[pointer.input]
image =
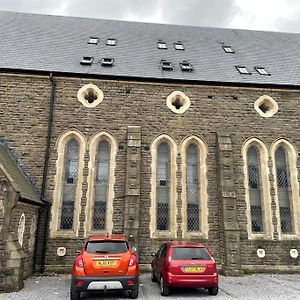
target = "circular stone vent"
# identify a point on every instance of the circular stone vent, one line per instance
(178, 102)
(90, 95)
(266, 106)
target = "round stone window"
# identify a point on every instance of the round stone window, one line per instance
(266, 106)
(178, 102)
(90, 95)
(21, 229)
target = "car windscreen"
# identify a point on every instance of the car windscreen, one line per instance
(106, 247)
(190, 253)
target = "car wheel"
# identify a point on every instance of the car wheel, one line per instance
(153, 279)
(134, 293)
(164, 290)
(74, 294)
(213, 290)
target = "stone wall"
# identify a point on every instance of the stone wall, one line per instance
(223, 110)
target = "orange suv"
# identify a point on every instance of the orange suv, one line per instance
(106, 262)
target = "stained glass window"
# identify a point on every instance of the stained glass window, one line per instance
(163, 186)
(69, 184)
(101, 185)
(284, 190)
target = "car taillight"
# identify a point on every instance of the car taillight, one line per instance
(79, 261)
(132, 261)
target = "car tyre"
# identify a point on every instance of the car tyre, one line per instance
(164, 290)
(134, 293)
(74, 294)
(153, 279)
(213, 290)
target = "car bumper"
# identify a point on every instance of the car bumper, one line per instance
(191, 281)
(82, 284)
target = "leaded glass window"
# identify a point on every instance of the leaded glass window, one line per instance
(163, 186)
(69, 184)
(192, 188)
(101, 185)
(255, 190)
(283, 190)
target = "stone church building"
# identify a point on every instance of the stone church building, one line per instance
(158, 132)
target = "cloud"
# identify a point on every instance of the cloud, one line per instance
(278, 15)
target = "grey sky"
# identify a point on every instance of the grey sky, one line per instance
(276, 15)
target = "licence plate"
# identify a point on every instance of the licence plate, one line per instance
(193, 269)
(106, 263)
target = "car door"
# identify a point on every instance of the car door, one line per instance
(162, 260)
(155, 263)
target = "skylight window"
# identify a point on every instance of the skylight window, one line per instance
(166, 65)
(262, 71)
(186, 66)
(87, 60)
(243, 70)
(111, 42)
(107, 62)
(93, 40)
(161, 45)
(228, 49)
(178, 46)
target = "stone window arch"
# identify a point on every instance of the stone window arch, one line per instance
(71, 147)
(21, 229)
(101, 180)
(194, 188)
(33, 228)
(286, 187)
(257, 189)
(163, 211)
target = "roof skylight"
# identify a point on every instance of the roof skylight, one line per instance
(228, 49)
(261, 71)
(161, 45)
(87, 60)
(178, 46)
(93, 40)
(111, 42)
(166, 65)
(107, 62)
(186, 66)
(243, 70)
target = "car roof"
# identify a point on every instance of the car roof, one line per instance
(185, 244)
(107, 237)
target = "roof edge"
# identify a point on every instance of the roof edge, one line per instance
(152, 79)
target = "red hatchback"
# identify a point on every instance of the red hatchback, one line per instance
(189, 265)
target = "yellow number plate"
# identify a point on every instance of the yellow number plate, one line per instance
(194, 269)
(106, 263)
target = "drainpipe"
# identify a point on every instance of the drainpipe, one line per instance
(45, 174)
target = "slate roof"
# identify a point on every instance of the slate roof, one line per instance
(57, 44)
(16, 177)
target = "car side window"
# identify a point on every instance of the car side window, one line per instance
(160, 250)
(164, 252)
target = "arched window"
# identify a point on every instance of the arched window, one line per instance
(101, 185)
(21, 229)
(69, 185)
(101, 179)
(68, 181)
(192, 188)
(163, 210)
(255, 189)
(283, 190)
(286, 187)
(163, 187)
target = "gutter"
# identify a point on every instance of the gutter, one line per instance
(156, 80)
(47, 204)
